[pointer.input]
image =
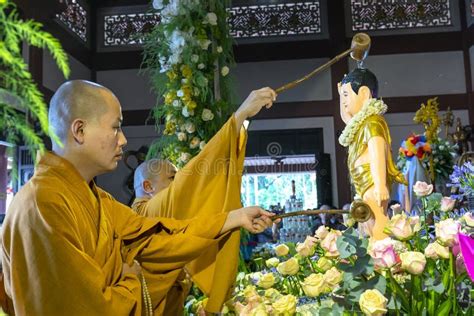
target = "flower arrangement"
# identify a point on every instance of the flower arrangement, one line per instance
(462, 178)
(415, 145)
(188, 56)
(441, 151)
(417, 269)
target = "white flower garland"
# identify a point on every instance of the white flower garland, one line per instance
(370, 107)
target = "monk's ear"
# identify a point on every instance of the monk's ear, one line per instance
(77, 130)
(147, 186)
(364, 93)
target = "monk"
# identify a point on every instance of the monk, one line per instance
(69, 248)
(208, 184)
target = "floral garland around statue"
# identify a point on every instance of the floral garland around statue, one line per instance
(188, 56)
(370, 107)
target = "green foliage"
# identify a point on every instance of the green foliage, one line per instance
(187, 57)
(18, 92)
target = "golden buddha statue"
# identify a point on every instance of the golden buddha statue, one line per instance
(371, 167)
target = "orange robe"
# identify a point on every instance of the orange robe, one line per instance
(65, 241)
(208, 185)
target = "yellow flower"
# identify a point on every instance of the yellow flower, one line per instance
(186, 71)
(289, 267)
(373, 303)
(250, 291)
(272, 293)
(272, 262)
(324, 264)
(314, 285)
(435, 250)
(171, 74)
(413, 262)
(191, 105)
(281, 250)
(266, 281)
(260, 310)
(285, 305)
(3, 2)
(169, 97)
(332, 277)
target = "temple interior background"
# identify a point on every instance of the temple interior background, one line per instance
(415, 57)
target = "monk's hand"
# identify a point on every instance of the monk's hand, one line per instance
(381, 195)
(256, 100)
(135, 268)
(255, 219)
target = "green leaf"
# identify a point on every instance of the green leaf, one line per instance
(345, 248)
(444, 309)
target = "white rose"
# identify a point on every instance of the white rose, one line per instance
(211, 18)
(201, 66)
(207, 115)
(219, 49)
(422, 188)
(180, 93)
(186, 112)
(413, 262)
(182, 136)
(184, 157)
(204, 44)
(225, 71)
(202, 144)
(194, 142)
(176, 103)
(194, 58)
(190, 128)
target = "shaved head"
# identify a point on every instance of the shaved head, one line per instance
(76, 99)
(152, 176)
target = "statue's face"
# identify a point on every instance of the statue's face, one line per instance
(350, 102)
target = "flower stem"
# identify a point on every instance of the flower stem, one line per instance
(394, 292)
(452, 287)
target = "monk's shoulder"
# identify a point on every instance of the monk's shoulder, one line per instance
(42, 199)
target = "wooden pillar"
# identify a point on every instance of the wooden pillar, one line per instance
(338, 70)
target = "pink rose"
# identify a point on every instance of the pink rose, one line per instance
(413, 262)
(446, 232)
(321, 232)
(402, 227)
(329, 243)
(306, 248)
(383, 253)
(447, 204)
(422, 188)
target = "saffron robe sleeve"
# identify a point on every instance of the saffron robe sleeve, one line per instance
(207, 186)
(57, 263)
